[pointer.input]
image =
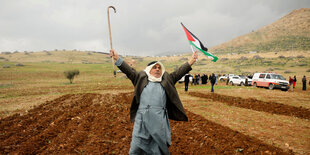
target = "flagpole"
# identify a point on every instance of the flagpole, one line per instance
(192, 48)
(114, 72)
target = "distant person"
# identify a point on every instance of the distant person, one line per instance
(155, 100)
(210, 77)
(246, 81)
(294, 82)
(304, 83)
(191, 79)
(196, 79)
(227, 81)
(186, 81)
(291, 81)
(212, 80)
(203, 79)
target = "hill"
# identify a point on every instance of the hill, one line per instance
(291, 32)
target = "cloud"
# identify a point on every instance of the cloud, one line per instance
(139, 27)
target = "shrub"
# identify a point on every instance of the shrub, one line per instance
(19, 64)
(224, 59)
(308, 70)
(300, 56)
(70, 74)
(281, 57)
(288, 71)
(290, 57)
(301, 64)
(243, 58)
(6, 66)
(257, 57)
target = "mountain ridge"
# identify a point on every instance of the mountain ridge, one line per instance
(291, 32)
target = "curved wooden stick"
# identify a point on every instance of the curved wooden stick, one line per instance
(114, 72)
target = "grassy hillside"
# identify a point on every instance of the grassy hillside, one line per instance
(291, 32)
(284, 62)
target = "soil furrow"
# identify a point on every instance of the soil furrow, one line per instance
(254, 104)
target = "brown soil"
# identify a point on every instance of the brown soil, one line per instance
(251, 103)
(99, 124)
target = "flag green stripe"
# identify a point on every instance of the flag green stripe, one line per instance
(204, 52)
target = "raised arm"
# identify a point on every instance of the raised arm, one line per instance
(185, 68)
(193, 58)
(130, 72)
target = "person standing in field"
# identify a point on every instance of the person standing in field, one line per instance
(304, 83)
(191, 79)
(291, 82)
(203, 79)
(186, 81)
(155, 100)
(212, 80)
(294, 81)
(227, 81)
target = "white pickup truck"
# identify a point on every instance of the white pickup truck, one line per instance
(239, 80)
(224, 77)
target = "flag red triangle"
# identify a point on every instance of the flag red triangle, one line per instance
(189, 36)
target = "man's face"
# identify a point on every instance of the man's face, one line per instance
(156, 71)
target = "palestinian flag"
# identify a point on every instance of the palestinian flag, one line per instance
(194, 41)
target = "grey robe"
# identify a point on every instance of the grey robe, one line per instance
(151, 133)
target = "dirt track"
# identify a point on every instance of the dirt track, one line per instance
(96, 123)
(251, 103)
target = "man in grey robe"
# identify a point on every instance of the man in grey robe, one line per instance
(155, 101)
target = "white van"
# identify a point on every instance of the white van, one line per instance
(270, 80)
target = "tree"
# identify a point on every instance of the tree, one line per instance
(70, 74)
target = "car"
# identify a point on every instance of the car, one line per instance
(224, 77)
(249, 79)
(270, 81)
(237, 80)
(182, 79)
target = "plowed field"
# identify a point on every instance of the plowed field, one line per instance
(99, 124)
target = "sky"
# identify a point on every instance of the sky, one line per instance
(139, 27)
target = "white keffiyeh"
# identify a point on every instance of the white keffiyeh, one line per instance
(151, 77)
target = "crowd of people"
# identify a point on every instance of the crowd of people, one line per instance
(196, 79)
(292, 82)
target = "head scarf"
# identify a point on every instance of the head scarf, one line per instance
(148, 69)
